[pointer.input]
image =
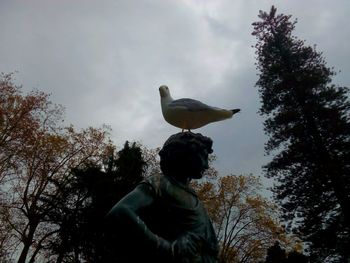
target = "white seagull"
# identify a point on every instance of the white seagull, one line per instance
(189, 114)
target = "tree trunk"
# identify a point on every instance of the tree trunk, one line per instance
(24, 253)
(27, 242)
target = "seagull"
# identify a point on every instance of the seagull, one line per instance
(189, 114)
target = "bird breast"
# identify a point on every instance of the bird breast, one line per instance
(184, 119)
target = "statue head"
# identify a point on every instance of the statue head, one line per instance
(185, 155)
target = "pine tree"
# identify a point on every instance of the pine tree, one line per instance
(87, 196)
(276, 254)
(308, 123)
(297, 257)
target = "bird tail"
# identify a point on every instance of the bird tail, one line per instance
(235, 111)
(222, 114)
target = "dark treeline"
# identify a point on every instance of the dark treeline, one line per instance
(276, 254)
(88, 195)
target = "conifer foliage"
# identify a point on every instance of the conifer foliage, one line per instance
(308, 124)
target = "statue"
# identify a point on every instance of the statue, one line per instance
(162, 219)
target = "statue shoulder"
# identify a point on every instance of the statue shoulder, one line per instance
(157, 182)
(162, 185)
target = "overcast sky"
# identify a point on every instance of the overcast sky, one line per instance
(104, 61)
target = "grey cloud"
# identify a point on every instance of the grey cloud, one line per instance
(104, 61)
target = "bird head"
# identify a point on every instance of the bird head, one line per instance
(164, 91)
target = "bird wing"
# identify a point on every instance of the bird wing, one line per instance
(190, 105)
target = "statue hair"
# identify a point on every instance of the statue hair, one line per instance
(180, 150)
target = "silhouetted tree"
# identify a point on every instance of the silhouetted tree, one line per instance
(90, 194)
(307, 120)
(297, 257)
(276, 254)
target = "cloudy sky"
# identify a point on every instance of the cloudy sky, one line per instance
(104, 61)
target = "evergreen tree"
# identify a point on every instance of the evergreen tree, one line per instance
(276, 254)
(307, 120)
(86, 198)
(296, 257)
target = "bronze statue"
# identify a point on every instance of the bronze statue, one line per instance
(162, 219)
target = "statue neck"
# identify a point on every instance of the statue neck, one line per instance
(183, 180)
